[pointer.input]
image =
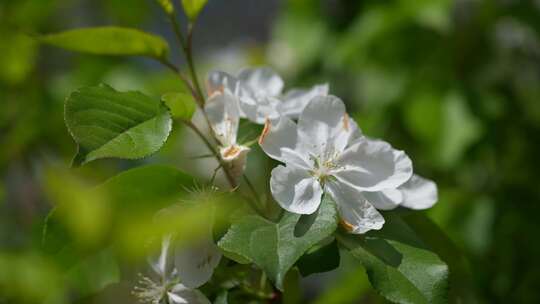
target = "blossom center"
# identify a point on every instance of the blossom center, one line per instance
(323, 168)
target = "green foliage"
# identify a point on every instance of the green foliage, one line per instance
(28, 278)
(167, 6)
(147, 187)
(93, 273)
(321, 258)
(275, 247)
(399, 265)
(109, 40)
(292, 292)
(89, 216)
(17, 56)
(222, 298)
(182, 105)
(107, 123)
(347, 288)
(84, 212)
(193, 8)
(460, 282)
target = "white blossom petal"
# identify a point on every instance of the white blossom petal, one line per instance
(357, 214)
(373, 165)
(235, 157)
(295, 158)
(386, 199)
(180, 294)
(224, 115)
(162, 265)
(321, 122)
(295, 190)
(347, 135)
(195, 263)
(221, 82)
(277, 135)
(296, 100)
(261, 81)
(419, 193)
(259, 109)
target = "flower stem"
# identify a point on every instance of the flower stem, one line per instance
(196, 91)
(187, 48)
(210, 147)
(189, 58)
(184, 79)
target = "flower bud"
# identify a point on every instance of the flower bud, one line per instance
(235, 157)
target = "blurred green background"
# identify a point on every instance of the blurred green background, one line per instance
(456, 84)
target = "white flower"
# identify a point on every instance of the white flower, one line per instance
(192, 267)
(325, 153)
(259, 94)
(417, 193)
(224, 117)
(196, 263)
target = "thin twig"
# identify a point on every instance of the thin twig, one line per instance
(222, 165)
(189, 57)
(184, 79)
(210, 147)
(196, 91)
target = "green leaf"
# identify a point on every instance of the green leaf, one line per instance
(275, 247)
(152, 186)
(109, 40)
(107, 123)
(222, 297)
(167, 6)
(399, 265)
(193, 8)
(182, 105)
(80, 212)
(93, 273)
(460, 273)
(291, 287)
(120, 212)
(347, 287)
(320, 259)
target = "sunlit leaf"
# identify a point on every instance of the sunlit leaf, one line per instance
(193, 8)
(147, 187)
(17, 57)
(122, 211)
(182, 105)
(109, 40)
(29, 278)
(81, 213)
(399, 265)
(275, 247)
(166, 5)
(154, 200)
(107, 123)
(93, 273)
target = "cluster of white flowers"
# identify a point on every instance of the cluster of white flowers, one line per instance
(175, 279)
(323, 150)
(255, 94)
